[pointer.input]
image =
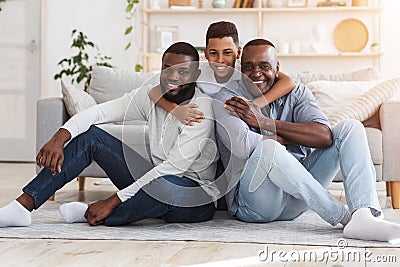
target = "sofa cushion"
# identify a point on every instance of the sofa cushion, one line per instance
(75, 100)
(108, 83)
(367, 74)
(368, 104)
(334, 96)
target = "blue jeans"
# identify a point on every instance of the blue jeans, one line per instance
(276, 186)
(114, 158)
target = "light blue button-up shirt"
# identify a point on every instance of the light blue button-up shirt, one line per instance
(237, 141)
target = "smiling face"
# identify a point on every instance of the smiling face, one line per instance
(260, 65)
(178, 76)
(221, 54)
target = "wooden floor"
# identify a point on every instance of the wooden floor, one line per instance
(49, 252)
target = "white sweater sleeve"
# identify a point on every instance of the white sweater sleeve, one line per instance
(117, 110)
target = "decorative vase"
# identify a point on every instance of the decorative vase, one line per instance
(218, 3)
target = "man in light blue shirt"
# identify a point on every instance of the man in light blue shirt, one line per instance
(280, 161)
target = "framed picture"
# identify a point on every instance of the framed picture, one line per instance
(296, 3)
(165, 36)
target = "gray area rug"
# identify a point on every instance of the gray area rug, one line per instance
(308, 229)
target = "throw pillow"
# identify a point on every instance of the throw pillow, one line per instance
(75, 100)
(109, 83)
(334, 96)
(367, 74)
(368, 104)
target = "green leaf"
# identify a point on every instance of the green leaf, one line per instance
(62, 61)
(138, 68)
(128, 45)
(128, 30)
(129, 8)
(80, 77)
(77, 58)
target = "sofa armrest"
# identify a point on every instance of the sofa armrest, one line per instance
(51, 115)
(390, 124)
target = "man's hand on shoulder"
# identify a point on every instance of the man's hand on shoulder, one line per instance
(51, 155)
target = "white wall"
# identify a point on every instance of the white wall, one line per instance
(104, 23)
(390, 39)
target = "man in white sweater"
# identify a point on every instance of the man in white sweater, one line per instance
(177, 185)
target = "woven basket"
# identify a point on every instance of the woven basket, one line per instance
(179, 2)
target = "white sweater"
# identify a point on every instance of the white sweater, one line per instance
(176, 149)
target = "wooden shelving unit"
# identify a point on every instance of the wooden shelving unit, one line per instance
(261, 20)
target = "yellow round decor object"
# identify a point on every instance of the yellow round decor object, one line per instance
(350, 35)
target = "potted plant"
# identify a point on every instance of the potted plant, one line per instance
(79, 66)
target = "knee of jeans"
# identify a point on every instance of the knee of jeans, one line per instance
(347, 127)
(267, 151)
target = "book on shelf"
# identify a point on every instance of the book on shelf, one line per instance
(243, 4)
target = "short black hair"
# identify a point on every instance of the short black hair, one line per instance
(222, 29)
(183, 48)
(257, 42)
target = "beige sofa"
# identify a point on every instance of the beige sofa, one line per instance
(382, 129)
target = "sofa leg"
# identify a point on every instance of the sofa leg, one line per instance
(395, 193)
(388, 189)
(81, 182)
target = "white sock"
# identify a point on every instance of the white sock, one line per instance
(363, 225)
(14, 214)
(73, 212)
